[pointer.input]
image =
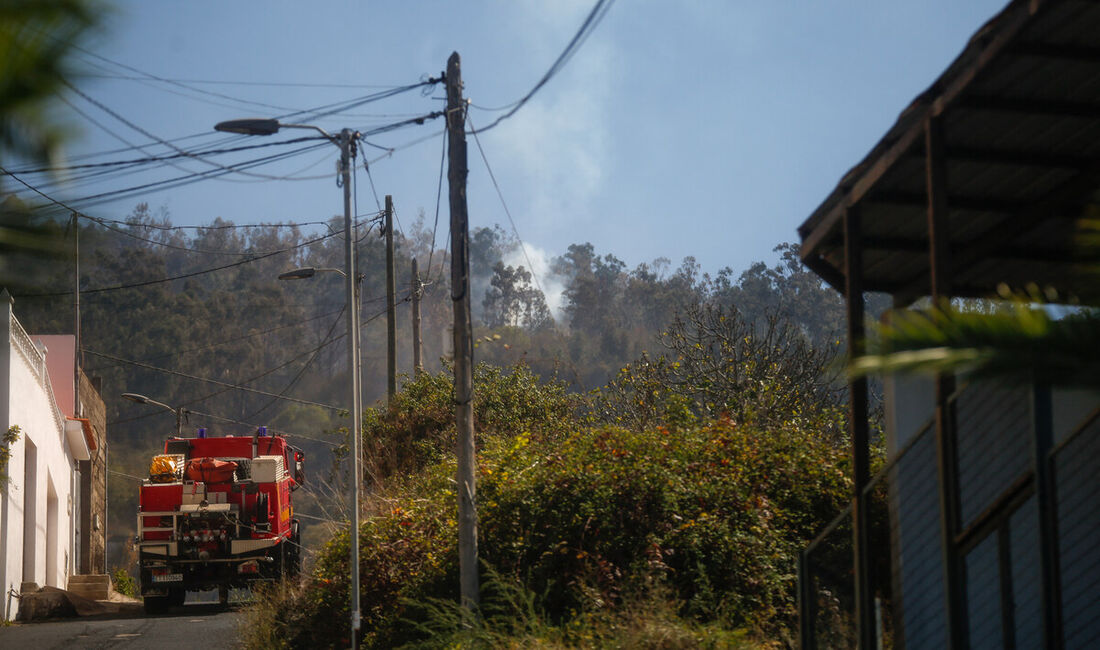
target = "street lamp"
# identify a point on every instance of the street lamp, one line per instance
(265, 126)
(180, 412)
(346, 139)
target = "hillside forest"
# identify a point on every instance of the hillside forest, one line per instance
(195, 317)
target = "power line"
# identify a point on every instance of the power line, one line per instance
(222, 342)
(373, 191)
(438, 194)
(166, 143)
(136, 478)
(105, 224)
(180, 153)
(222, 139)
(508, 212)
(110, 227)
(148, 76)
(586, 28)
(182, 276)
(431, 81)
(397, 218)
(102, 127)
(226, 226)
(180, 181)
(388, 90)
(412, 143)
(271, 429)
(226, 385)
(305, 366)
(195, 177)
(212, 82)
(150, 282)
(174, 156)
(493, 109)
(323, 110)
(223, 390)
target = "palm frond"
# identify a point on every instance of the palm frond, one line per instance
(1022, 342)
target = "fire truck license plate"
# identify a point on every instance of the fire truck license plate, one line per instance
(169, 577)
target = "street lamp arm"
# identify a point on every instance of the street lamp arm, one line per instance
(180, 412)
(310, 126)
(141, 399)
(308, 272)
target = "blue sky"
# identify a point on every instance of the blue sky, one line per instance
(709, 129)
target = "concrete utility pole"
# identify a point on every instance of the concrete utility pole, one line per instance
(347, 141)
(391, 307)
(416, 292)
(463, 336)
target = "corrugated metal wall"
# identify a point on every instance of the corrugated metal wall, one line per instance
(994, 425)
(983, 596)
(998, 539)
(1026, 582)
(1077, 476)
(915, 516)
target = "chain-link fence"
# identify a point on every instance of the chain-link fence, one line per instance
(829, 561)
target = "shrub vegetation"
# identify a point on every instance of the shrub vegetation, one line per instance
(679, 531)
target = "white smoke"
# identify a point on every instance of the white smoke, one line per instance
(539, 266)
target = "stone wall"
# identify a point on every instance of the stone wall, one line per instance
(93, 482)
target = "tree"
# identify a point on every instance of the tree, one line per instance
(36, 38)
(792, 291)
(717, 362)
(593, 290)
(512, 300)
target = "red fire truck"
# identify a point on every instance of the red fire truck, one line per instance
(216, 513)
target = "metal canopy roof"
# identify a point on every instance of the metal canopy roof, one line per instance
(1019, 113)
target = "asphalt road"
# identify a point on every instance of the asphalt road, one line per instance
(198, 625)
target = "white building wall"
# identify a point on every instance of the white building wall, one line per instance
(27, 401)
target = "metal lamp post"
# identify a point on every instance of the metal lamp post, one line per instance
(179, 412)
(260, 126)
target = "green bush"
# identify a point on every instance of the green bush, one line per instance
(713, 515)
(124, 583)
(417, 429)
(577, 524)
(717, 513)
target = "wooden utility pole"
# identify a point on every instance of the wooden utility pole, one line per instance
(858, 427)
(79, 356)
(391, 307)
(416, 292)
(463, 336)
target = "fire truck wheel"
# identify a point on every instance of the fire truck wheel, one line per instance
(176, 597)
(223, 595)
(294, 560)
(155, 604)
